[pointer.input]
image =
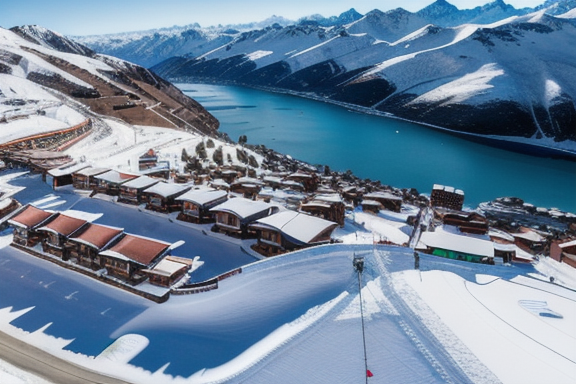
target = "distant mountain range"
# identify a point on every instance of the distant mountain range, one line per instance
(493, 72)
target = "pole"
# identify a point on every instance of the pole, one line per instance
(359, 266)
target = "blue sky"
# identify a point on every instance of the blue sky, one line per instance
(87, 17)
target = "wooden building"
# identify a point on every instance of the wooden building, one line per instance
(58, 177)
(57, 232)
(161, 197)
(234, 215)
(247, 187)
(196, 204)
(328, 207)
(90, 241)
(458, 247)
(131, 192)
(289, 230)
(388, 201)
(85, 178)
(564, 252)
(131, 255)
(26, 221)
(447, 197)
(468, 222)
(110, 182)
(309, 181)
(372, 206)
(529, 241)
(168, 271)
(7, 206)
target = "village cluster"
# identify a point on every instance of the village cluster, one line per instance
(284, 210)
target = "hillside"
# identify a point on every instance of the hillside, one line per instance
(49, 82)
(510, 81)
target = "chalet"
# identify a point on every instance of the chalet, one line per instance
(110, 182)
(458, 247)
(447, 197)
(564, 252)
(219, 184)
(308, 181)
(84, 178)
(371, 206)
(234, 215)
(273, 182)
(196, 204)
(25, 223)
(131, 255)
(329, 207)
(57, 232)
(228, 175)
(289, 230)
(529, 241)
(7, 206)
(293, 185)
(58, 177)
(468, 222)
(161, 197)
(92, 239)
(131, 192)
(38, 160)
(147, 160)
(388, 201)
(168, 271)
(247, 187)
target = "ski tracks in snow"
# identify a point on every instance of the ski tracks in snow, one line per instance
(448, 356)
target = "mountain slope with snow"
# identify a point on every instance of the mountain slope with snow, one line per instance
(48, 82)
(509, 82)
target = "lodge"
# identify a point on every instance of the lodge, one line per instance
(458, 247)
(85, 178)
(248, 187)
(87, 243)
(131, 255)
(387, 200)
(288, 231)
(168, 271)
(328, 207)
(131, 192)
(63, 175)
(196, 204)
(468, 222)
(109, 182)
(447, 197)
(56, 234)
(161, 197)
(25, 223)
(234, 215)
(564, 252)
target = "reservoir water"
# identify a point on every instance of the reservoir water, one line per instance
(397, 153)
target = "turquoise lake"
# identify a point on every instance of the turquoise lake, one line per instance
(397, 153)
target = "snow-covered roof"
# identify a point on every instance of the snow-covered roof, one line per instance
(219, 183)
(242, 207)
(530, 236)
(67, 169)
(201, 197)
(296, 225)
(167, 267)
(92, 171)
(330, 198)
(458, 243)
(248, 180)
(381, 195)
(115, 177)
(167, 189)
(567, 244)
(140, 182)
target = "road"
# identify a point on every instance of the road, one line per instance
(47, 366)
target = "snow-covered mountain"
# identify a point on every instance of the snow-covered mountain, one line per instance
(48, 82)
(514, 79)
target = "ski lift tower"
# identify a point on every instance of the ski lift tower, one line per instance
(358, 263)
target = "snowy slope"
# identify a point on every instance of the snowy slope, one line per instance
(297, 318)
(459, 78)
